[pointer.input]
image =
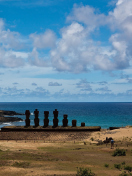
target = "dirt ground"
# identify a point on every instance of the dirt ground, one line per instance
(40, 156)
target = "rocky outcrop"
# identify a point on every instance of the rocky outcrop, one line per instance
(10, 119)
(4, 113)
(10, 113)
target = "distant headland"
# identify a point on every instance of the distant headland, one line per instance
(4, 113)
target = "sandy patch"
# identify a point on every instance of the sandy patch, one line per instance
(117, 134)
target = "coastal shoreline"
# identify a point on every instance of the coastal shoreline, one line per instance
(93, 114)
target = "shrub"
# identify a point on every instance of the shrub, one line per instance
(123, 163)
(117, 166)
(123, 174)
(119, 152)
(92, 139)
(128, 168)
(106, 165)
(84, 172)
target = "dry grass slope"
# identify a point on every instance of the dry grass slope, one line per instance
(36, 157)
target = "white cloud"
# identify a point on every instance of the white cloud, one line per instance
(1, 24)
(129, 92)
(67, 47)
(122, 81)
(15, 83)
(121, 20)
(37, 60)
(7, 59)
(34, 84)
(23, 55)
(83, 85)
(88, 16)
(44, 40)
(121, 17)
(54, 84)
(9, 39)
(119, 2)
(103, 89)
(77, 52)
(41, 41)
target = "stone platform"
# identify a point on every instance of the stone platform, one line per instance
(50, 128)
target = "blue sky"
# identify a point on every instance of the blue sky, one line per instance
(65, 50)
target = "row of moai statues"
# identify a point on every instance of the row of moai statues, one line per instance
(46, 120)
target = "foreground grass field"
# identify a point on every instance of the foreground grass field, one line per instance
(38, 158)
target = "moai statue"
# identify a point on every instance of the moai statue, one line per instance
(65, 120)
(55, 120)
(46, 120)
(82, 124)
(74, 122)
(36, 120)
(27, 120)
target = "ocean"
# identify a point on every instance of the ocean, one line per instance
(93, 114)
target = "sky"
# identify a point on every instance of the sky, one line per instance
(65, 51)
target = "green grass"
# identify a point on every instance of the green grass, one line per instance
(128, 168)
(106, 165)
(125, 174)
(123, 163)
(117, 166)
(67, 157)
(84, 172)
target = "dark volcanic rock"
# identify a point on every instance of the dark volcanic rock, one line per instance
(113, 128)
(10, 119)
(10, 113)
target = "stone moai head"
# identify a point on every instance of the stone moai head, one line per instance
(27, 113)
(27, 120)
(36, 120)
(82, 124)
(65, 120)
(74, 122)
(36, 112)
(65, 116)
(55, 112)
(46, 120)
(55, 120)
